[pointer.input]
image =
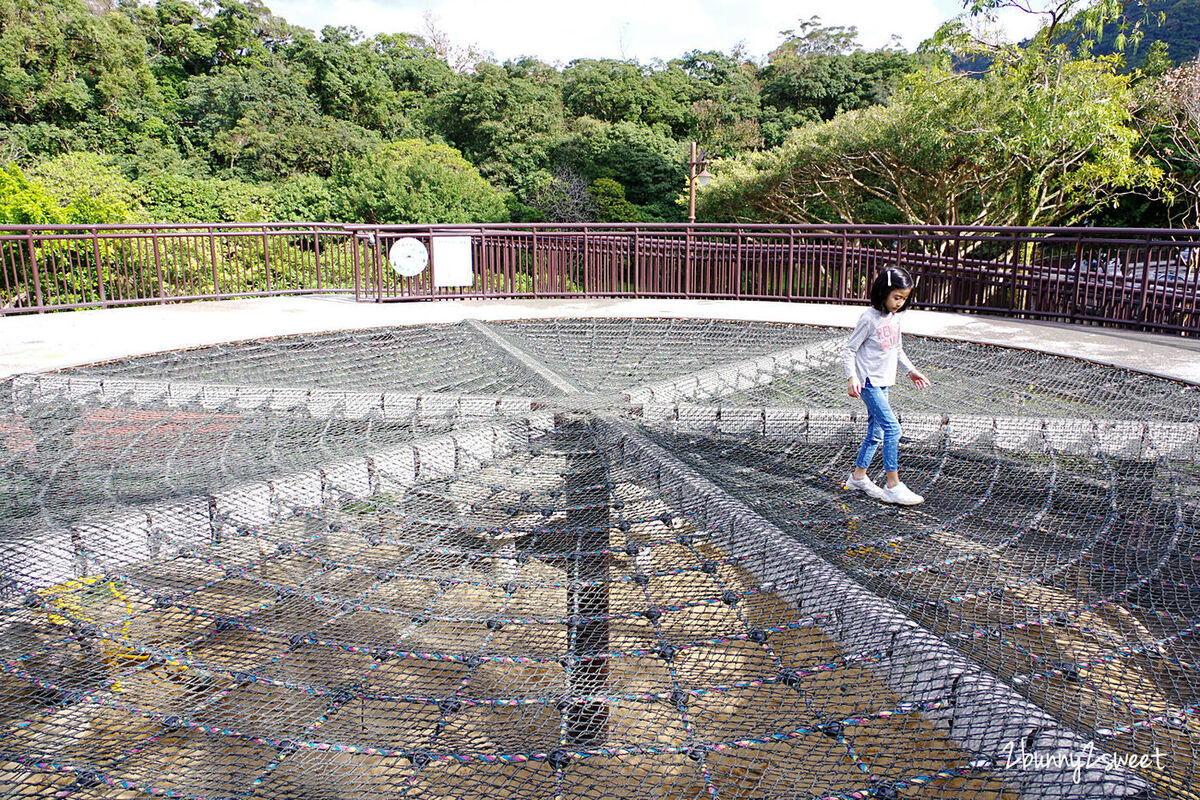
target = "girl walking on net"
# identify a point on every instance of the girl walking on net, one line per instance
(870, 358)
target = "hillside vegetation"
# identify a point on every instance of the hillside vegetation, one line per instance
(184, 112)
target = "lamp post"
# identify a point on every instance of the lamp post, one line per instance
(702, 178)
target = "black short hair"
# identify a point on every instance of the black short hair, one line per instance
(886, 282)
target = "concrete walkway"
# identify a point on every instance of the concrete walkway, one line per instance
(36, 343)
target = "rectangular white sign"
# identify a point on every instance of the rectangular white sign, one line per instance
(452, 262)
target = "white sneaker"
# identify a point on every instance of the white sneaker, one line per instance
(863, 484)
(901, 495)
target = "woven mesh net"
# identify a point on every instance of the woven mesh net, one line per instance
(594, 558)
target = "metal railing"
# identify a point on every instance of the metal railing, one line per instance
(1147, 279)
(76, 266)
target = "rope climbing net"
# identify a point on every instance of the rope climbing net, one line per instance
(594, 558)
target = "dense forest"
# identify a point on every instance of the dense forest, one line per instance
(178, 111)
(1175, 23)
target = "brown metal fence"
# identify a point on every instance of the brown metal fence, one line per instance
(44, 269)
(1148, 279)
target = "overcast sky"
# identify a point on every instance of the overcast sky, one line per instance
(644, 30)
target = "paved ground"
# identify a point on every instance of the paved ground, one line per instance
(35, 343)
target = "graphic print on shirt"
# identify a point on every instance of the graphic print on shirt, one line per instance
(888, 334)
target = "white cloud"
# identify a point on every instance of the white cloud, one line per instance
(1017, 25)
(639, 29)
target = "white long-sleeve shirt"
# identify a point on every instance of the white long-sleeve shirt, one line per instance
(875, 348)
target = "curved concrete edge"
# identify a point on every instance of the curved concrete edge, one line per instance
(37, 343)
(319, 403)
(123, 538)
(1115, 438)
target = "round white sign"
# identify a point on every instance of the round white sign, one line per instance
(408, 257)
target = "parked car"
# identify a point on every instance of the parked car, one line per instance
(1174, 275)
(1100, 270)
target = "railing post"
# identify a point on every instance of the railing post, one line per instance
(533, 267)
(1145, 288)
(212, 255)
(6, 258)
(635, 260)
(1076, 269)
(841, 295)
(586, 271)
(357, 265)
(317, 251)
(432, 265)
(99, 269)
(266, 257)
(377, 264)
(687, 259)
(956, 293)
(791, 281)
(37, 279)
(1016, 258)
(739, 266)
(162, 296)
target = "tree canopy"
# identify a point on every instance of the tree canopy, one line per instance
(1039, 143)
(215, 110)
(414, 181)
(1049, 133)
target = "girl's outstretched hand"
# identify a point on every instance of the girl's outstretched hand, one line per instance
(854, 387)
(919, 380)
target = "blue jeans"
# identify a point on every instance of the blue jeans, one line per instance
(882, 427)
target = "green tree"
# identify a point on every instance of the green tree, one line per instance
(649, 164)
(59, 59)
(811, 38)
(717, 96)
(302, 198)
(23, 202)
(1172, 137)
(1067, 26)
(259, 121)
(64, 66)
(89, 188)
(180, 41)
(610, 198)
(1157, 61)
(618, 91)
(413, 65)
(169, 197)
(505, 120)
(1173, 24)
(245, 33)
(830, 84)
(776, 123)
(22, 143)
(1044, 141)
(411, 181)
(818, 72)
(385, 84)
